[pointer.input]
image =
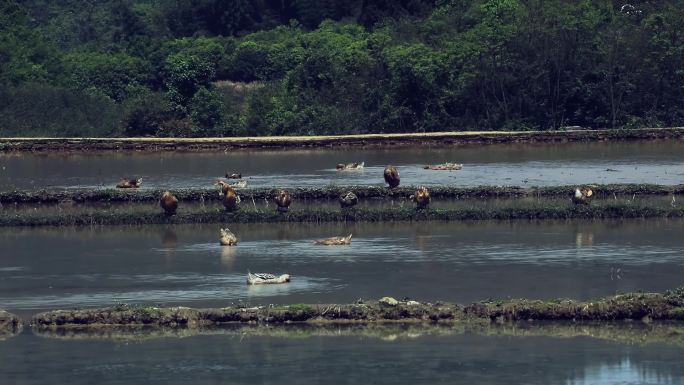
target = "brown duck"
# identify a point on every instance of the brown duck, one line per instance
(228, 238)
(421, 197)
(229, 197)
(348, 199)
(391, 176)
(583, 196)
(169, 203)
(129, 183)
(282, 200)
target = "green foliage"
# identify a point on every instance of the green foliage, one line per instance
(118, 76)
(229, 67)
(184, 75)
(42, 110)
(206, 112)
(147, 115)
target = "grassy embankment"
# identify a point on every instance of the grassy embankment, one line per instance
(432, 138)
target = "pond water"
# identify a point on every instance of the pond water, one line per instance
(462, 358)
(48, 268)
(660, 162)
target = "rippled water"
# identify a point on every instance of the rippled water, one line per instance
(464, 358)
(510, 164)
(46, 268)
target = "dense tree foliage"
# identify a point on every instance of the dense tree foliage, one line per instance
(288, 67)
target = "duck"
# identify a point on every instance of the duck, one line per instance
(391, 176)
(582, 196)
(229, 197)
(282, 200)
(228, 238)
(234, 175)
(350, 166)
(129, 183)
(266, 278)
(421, 197)
(240, 184)
(349, 199)
(169, 203)
(334, 241)
(444, 166)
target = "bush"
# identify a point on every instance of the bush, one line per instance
(44, 110)
(147, 115)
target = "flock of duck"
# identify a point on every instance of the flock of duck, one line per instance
(282, 199)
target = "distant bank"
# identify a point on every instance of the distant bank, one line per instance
(432, 138)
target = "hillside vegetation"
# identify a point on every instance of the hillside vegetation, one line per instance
(189, 68)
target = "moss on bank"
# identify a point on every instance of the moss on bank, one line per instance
(363, 192)
(550, 211)
(435, 138)
(633, 306)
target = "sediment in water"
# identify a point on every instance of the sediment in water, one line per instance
(333, 192)
(10, 325)
(434, 138)
(633, 306)
(639, 333)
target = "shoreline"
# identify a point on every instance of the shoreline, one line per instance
(647, 307)
(627, 332)
(551, 211)
(111, 195)
(9, 145)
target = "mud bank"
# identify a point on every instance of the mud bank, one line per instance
(551, 211)
(363, 192)
(634, 306)
(436, 138)
(10, 325)
(626, 332)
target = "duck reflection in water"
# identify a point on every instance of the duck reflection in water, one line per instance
(228, 256)
(169, 240)
(584, 238)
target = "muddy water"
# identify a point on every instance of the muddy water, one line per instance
(184, 265)
(463, 358)
(659, 162)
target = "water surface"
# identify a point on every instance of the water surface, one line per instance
(47, 268)
(464, 358)
(660, 162)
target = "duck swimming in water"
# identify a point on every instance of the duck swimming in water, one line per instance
(391, 176)
(421, 197)
(228, 238)
(240, 184)
(334, 241)
(266, 278)
(349, 166)
(229, 197)
(169, 203)
(444, 167)
(234, 175)
(282, 200)
(582, 196)
(348, 199)
(129, 183)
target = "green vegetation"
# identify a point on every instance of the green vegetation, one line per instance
(196, 68)
(376, 194)
(631, 306)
